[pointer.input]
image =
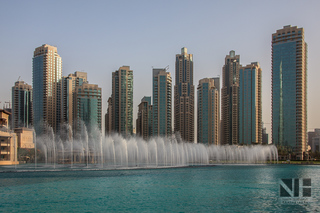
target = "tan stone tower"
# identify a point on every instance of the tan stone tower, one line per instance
(184, 96)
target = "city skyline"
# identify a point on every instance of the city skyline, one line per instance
(99, 56)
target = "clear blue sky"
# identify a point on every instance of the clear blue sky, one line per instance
(100, 36)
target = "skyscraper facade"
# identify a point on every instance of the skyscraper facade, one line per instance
(162, 116)
(184, 96)
(250, 107)
(230, 99)
(144, 119)
(22, 111)
(289, 89)
(87, 107)
(122, 101)
(68, 86)
(208, 115)
(46, 74)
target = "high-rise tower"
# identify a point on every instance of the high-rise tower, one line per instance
(22, 112)
(144, 118)
(122, 101)
(87, 107)
(162, 84)
(208, 111)
(184, 96)
(250, 107)
(289, 89)
(45, 77)
(68, 86)
(229, 99)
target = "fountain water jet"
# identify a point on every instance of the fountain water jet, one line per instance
(115, 151)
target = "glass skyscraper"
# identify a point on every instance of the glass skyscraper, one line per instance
(122, 101)
(184, 96)
(250, 108)
(208, 111)
(22, 111)
(289, 89)
(87, 107)
(45, 77)
(162, 84)
(68, 86)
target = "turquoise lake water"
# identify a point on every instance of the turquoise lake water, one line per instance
(221, 188)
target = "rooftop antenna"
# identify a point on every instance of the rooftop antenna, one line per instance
(166, 68)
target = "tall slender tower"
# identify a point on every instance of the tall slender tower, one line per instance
(208, 111)
(22, 112)
(229, 99)
(45, 77)
(289, 89)
(122, 101)
(250, 107)
(184, 96)
(162, 84)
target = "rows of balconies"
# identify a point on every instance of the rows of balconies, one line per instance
(5, 152)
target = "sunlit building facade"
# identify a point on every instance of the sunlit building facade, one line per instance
(68, 86)
(8, 141)
(250, 107)
(46, 74)
(289, 89)
(87, 107)
(22, 111)
(122, 101)
(162, 116)
(230, 100)
(208, 116)
(184, 96)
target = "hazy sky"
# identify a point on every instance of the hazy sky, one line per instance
(100, 36)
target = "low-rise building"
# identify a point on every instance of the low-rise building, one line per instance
(25, 138)
(8, 141)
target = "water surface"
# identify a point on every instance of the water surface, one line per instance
(227, 188)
